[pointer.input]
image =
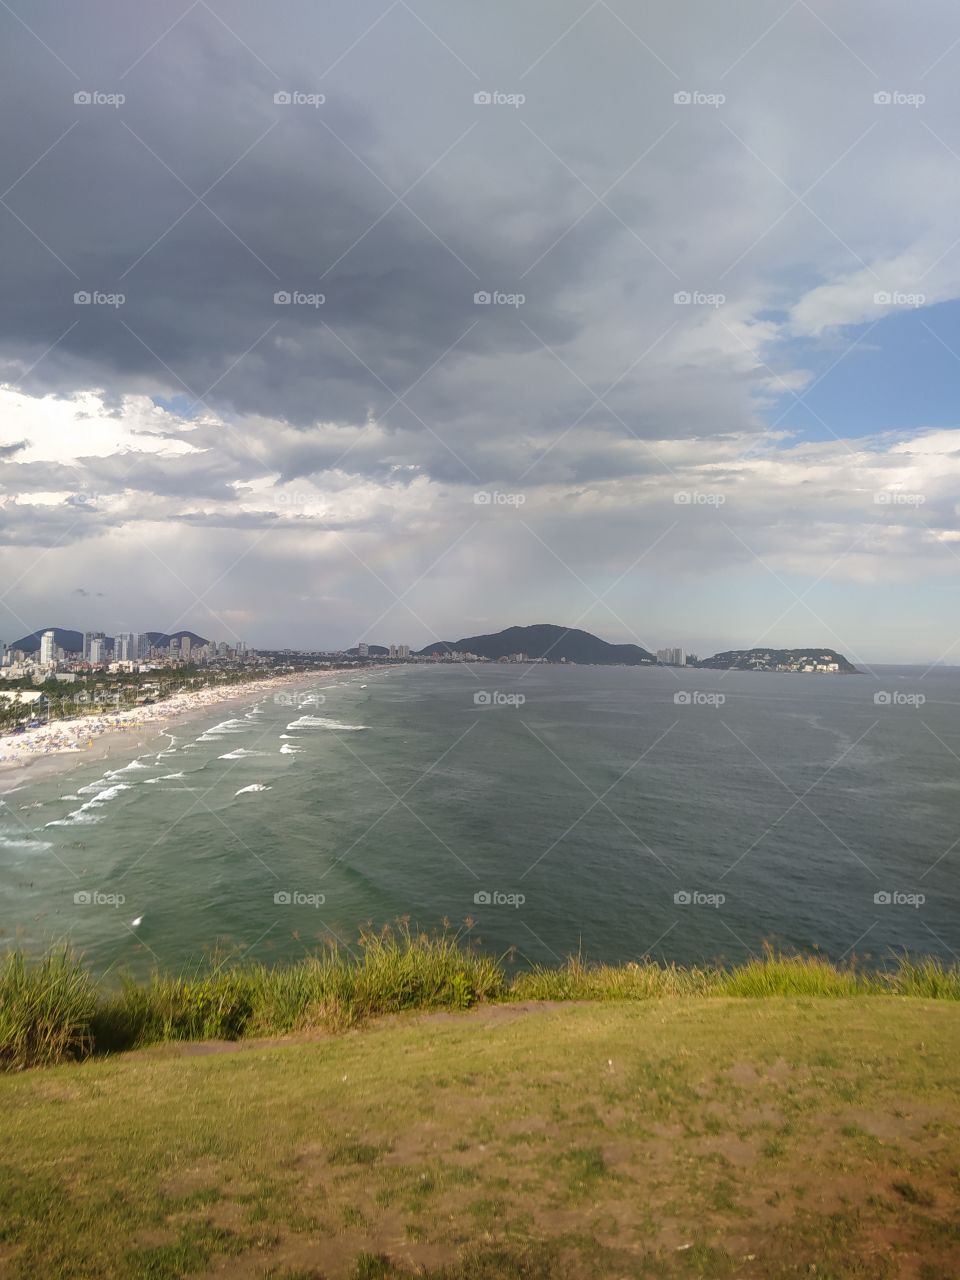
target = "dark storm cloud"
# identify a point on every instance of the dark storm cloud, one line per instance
(105, 212)
(297, 199)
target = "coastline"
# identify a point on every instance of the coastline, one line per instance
(59, 746)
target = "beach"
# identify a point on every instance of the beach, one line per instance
(62, 743)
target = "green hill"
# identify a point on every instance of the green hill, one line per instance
(545, 640)
(816, 657)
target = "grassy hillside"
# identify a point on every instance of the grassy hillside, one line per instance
(669, 1137)
(51, 1010)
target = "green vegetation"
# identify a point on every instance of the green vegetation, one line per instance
(51, 1011)
(668, 1137)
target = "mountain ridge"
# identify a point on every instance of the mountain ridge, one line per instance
(544, 640)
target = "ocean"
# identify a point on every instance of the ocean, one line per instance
(544, 810)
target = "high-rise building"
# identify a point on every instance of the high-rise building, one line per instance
(672, 657)
(363, 649)
(143, 645)
(98, 649)
(126, 647)
(48, 648)
(88, 639)
(186, 645)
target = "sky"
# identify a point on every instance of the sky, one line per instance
(404, 320)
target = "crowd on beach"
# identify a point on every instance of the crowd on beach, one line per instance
(77, 735)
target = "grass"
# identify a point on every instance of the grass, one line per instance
(670, 1137)
(47, 1010)
(51, 1011)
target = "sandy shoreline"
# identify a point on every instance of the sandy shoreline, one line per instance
(26, 757)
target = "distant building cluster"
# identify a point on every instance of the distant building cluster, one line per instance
(127, 651)
(672, 657)
(822, 664)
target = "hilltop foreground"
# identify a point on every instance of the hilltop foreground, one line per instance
(676, 1136)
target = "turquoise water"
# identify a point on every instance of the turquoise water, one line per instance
(582, 812)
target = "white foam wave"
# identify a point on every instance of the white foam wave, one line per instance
(83, 814)
(324, 722)
(37, 845)
(92, 787)
(240, 754)
(287, 750)
(222, 730)
(254, 786)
